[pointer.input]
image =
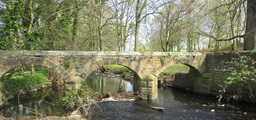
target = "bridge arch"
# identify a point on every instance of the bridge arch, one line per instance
(187, 79)
(97, 62)
(52, 65)
(135, 80)
(56, 85)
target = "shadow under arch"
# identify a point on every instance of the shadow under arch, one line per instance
(183, 80)
(124, 71)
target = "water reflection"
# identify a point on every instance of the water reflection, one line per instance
(108, 83)
(34, 107)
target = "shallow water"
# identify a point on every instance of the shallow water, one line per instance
(34, 107)
(177, 104)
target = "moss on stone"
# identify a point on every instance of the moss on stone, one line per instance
(207, 75)
(225, 52)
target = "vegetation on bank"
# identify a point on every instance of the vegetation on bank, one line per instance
(177, 68)
(118, 69)
(25, 81)
(241, 76)
(76, 99)
(79, 97)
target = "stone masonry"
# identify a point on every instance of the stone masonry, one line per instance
(203, 76)
(147, 65)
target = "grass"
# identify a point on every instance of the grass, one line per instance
(178, 68)
(26, 82)
(117, 68)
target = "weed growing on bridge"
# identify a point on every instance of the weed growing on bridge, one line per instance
(241, 74)
(68, 63)
(162, 59)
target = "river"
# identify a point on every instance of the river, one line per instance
(177, 104)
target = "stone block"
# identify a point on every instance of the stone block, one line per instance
(72, 86)
(207, 75)
(74, 80)
(144, 84)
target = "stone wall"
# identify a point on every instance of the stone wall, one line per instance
(218, 61)
(209, 81)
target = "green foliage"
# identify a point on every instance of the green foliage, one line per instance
(68, 63)
(1, 85)
(241, 73)
(79, 97)
(117, 68)
(25, 82)
(12, 28)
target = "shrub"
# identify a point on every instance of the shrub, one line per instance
(79, 97)
(242, 74)
(25, 82)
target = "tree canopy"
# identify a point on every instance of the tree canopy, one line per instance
(127, 25)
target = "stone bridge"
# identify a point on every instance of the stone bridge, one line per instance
(147, 65)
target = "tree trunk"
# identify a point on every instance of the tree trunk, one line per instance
(32, 70)
(250, 37)
(137, 26)
(75, 25)
(139, 9)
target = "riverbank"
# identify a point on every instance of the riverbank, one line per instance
(177, 104)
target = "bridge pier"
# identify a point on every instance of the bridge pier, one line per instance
(73, 83)
(149, 87)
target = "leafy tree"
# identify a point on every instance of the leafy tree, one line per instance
(12, 28)
(225, 18)
(123, 25)
(171, 24)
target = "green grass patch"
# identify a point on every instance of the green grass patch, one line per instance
(26, 82)
(178, 68)
(117, 68)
